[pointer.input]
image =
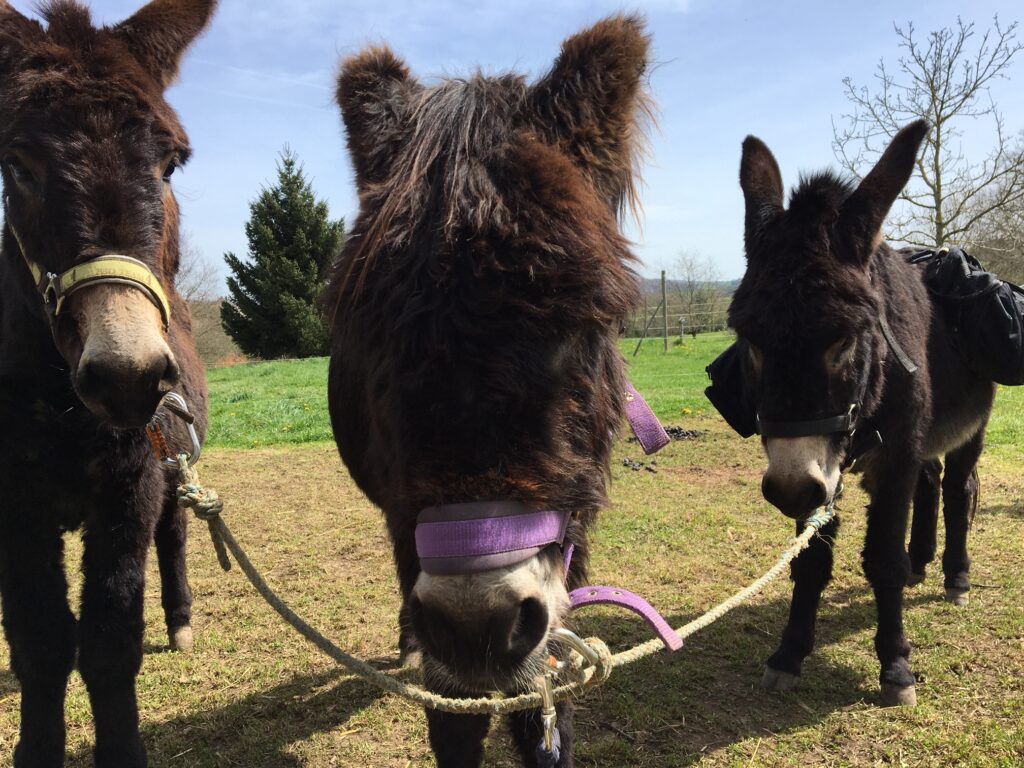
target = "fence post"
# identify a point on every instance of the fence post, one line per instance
(664, 310)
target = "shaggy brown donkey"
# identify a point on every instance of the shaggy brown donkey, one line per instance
(477, 305)
(835, 322)
(88, 146)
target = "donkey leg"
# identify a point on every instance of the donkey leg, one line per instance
(925, 521)
(175, 593)
(887, 567)
(40, 630)
(959, 502)
(811, 571)
(528, 732)
(457, 740)
(110, 630)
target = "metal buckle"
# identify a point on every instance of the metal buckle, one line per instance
(51, 292)
(548, 714)
(176, 404)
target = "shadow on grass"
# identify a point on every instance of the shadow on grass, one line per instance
(663, 710)
(8, 683)
(257, 729)
(1010, 510)
(708, 695)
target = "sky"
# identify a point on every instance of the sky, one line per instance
(263, 75)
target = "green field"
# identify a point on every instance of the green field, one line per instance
(685, 535)
(278, 403)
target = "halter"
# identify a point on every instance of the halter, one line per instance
(480, 536)
(109, 268)
(844, 423)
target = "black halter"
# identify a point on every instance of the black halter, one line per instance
(845, 423)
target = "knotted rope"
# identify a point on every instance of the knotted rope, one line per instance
(208, 506)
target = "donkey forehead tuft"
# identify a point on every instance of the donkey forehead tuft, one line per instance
(819, 197)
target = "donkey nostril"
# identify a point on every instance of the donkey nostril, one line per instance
(528, 629)
(86, 380)
(171, 375)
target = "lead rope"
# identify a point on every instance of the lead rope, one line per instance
(207, 506)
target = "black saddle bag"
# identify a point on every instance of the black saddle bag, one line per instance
(728, 391)
(986, 314)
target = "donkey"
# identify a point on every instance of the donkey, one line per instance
(476, 309)
(849, 360)
(92, 337)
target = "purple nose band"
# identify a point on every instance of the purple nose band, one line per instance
(481, 536)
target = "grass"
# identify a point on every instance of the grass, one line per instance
(282, 403)
(252, 693)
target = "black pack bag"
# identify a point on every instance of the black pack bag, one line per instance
(728, 391)
(986, 314)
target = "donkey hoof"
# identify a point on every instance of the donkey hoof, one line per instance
(915, 579)
(898, 695)
(776, 680)
(957, 596)
(181, 639)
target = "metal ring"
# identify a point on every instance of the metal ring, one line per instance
(577, 643)
(176, 404)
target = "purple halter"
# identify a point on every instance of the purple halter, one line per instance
(474, 537)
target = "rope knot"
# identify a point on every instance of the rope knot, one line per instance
(604, 666)
(206, 505)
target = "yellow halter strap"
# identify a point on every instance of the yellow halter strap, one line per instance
(111, 268)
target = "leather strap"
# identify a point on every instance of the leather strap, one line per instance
(622, 598)
(645, 425)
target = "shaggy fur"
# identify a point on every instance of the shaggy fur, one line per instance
(817, 273)
(84, 109)
(478, 300)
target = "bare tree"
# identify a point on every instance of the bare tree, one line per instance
(998, 239)
(944, 79)
(197, 279)
(199, 282)
(697, 282)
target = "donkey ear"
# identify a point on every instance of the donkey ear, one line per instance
(374, 93)
(761, 182)
(862, 215)
(15, 29)
(590, 101)
(158, 34)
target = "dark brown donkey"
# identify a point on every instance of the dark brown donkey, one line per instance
(835, 323)
(88, 146)
(476, 309)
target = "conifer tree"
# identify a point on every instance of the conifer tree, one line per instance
(273, 310)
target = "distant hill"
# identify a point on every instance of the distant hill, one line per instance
(651, 286)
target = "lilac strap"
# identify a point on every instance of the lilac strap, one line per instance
(645, 425)
(585, 596)
(450, 547)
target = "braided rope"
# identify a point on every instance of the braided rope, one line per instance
(208, 507)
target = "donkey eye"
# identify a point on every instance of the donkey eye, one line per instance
(18, 170)
(840, 353)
